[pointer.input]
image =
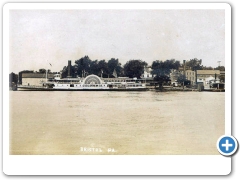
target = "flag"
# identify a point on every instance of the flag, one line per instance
(50, 64)
(114, 73)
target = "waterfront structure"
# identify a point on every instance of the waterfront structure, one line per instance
(210, 79)
(33, 78)
(201, 75)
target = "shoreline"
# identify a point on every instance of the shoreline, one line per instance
(165, 89)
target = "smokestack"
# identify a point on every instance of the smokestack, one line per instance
(69, 68)
(184, 67)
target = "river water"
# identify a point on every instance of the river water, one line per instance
(150, 122)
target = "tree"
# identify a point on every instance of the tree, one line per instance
(134, 68)
(113, 64)
(183, 80)
(194, 64)
(13, 79)
(42, 71)
(159, 69)
(207, 68)
(163, 68)
(83, 66)
(65, 71)
(221, 68)
(103, 68)
(93, 68)
(161, 79)
(99, 68)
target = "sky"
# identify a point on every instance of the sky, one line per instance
(40, 37)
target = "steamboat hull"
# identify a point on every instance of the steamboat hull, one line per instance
(53, 89)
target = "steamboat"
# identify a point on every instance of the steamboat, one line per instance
(89, 83)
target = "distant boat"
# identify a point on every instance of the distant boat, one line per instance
(89, 83)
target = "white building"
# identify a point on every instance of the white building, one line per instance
(147, 73)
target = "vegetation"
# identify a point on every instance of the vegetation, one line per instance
(221, 68)
(13, 79)
(183, 80)
(85, 66)
(194, 64)
(65, 71)
(133, 68)
(113, 64)
(43, 71)
(162, 70)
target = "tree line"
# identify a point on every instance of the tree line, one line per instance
(132, 68)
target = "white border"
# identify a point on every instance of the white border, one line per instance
(115, 165)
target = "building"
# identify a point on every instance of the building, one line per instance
(191, 76)
(147, 73)
(33, 78)
(176, 74)
(202, 75)
(148, 77)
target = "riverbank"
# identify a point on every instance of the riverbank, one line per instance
(171, 88)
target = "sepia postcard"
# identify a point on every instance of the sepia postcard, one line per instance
(94, 85)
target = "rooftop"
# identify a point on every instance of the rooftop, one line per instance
(211, 72)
